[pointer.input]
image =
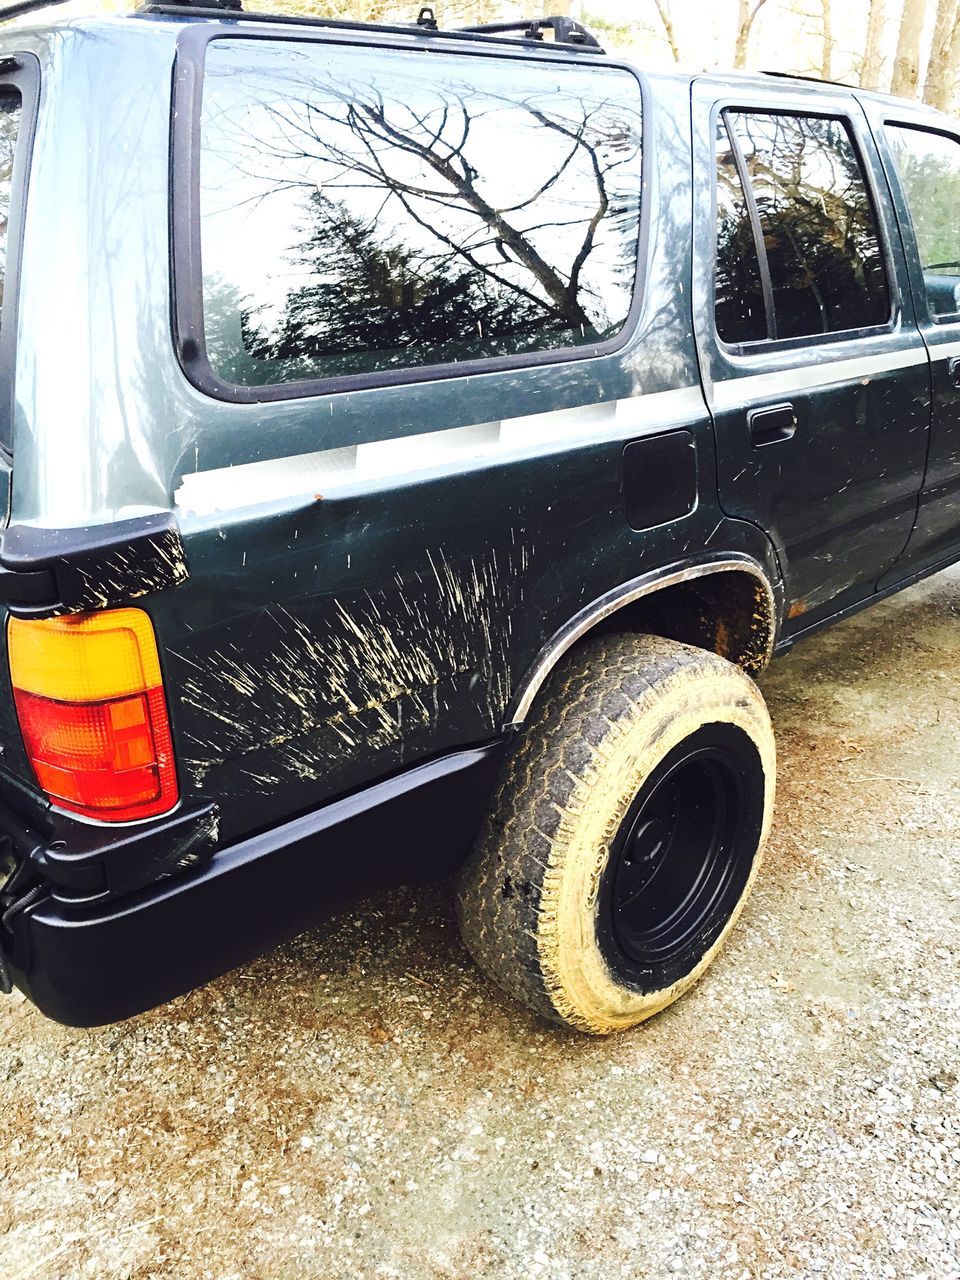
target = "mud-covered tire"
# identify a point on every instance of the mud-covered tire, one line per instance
(641, 756)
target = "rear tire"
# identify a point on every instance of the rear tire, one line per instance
(626, 834)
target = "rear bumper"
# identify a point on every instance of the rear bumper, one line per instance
(99, 964)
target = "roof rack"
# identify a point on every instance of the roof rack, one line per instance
(9, 11)
(565, 30)
(568, 35)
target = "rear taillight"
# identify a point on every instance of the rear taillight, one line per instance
(90, 702)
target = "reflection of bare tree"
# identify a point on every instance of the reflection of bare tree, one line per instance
(409, 228)
(740, 311)
(819, 230)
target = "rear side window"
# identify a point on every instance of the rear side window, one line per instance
(364, 211)
(819, 244)
(9, 129)
(928, 165)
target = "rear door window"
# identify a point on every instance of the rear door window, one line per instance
(817, 234)
(370, 211)
(928, 165)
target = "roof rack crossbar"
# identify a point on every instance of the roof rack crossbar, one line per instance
(565, 30)
(232, 8)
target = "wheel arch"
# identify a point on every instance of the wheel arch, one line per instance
(724, 603)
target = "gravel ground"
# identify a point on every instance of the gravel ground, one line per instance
(361, 1104)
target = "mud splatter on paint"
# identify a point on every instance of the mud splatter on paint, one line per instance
(340, 678)
(102, 579)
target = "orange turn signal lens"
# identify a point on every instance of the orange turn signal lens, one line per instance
(92, 711)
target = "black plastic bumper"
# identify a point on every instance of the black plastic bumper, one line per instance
(99, 964)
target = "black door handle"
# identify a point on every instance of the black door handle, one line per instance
(771, 425)
(953, 371)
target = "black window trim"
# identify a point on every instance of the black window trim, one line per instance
(21, 70)
(764, 345)
(184, 208)
(943, 131)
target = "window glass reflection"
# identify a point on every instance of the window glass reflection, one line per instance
(817, 221)
(9, 127)
(371, 210)
(929, 169)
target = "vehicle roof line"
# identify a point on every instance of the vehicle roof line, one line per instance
(569, 36)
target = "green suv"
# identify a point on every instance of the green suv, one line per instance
(416, 438)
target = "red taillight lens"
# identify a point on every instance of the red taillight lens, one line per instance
(96, 756)
(107, 756)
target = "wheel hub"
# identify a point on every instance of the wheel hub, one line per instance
(642, 856)
(682, 856)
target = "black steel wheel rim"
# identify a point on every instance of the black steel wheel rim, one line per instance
(682, 857)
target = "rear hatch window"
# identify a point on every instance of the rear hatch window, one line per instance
(10, 107)
(18, 97)
(18, 94)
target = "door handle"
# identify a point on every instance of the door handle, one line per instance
(953, 371)
(772, 425)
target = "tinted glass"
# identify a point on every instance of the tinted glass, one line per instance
(9, 126)
(929, 169)
(740, 312)
(371, 210)
(818, 224)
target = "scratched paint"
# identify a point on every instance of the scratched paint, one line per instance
(337, 679)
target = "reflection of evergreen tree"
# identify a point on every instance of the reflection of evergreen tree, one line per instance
(223, 333)
(369, 299)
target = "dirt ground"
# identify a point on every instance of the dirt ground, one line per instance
(361, 1104)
